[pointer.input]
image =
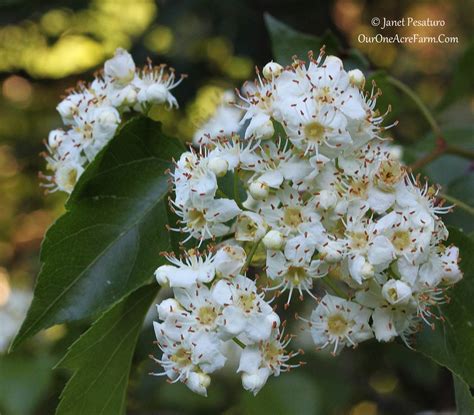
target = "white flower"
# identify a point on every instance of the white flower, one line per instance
(185, 272)
(261, 360)
(396, 292)
(154, 84)
(194, 180)
(207, 220)
(317, 128)
(250, 226)
(190, 359)
(121, 68)
(259, 190)
(218, 166)
(356, 78)
(273, 240)
(271, 70)
(294, 214)
(440, 267)
(294, 269)
(55, 138)
(368, 252)
(223, 123)
(66, 175)
(245, 312)
(337, 323)
(389, 320)
(229, 260)
(73, 105)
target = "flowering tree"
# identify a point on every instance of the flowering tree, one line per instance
(293, 191)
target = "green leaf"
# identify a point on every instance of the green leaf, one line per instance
(452, 344)
(462, 188)
(462, 84)
(464, 399)
(102, 357)
(24, 382)
(288, 42)
(274, 398)
(108, 242)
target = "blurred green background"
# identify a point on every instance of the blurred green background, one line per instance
(47, 47)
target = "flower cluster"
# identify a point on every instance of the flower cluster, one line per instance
(331, 213)
(93, 112)
(213, 304)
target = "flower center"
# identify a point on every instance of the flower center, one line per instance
(389, 172)
(296, 275)
(207, 315)
(247, 226)
(292, 217)
(401, 240)
(197, 219)
(247, 301)
(358, 240)
(314, 131)
(359, 187)
(72, 178)
(181, 357)
(337, 324)
(392, 293)
(324, 95)
(272, 353)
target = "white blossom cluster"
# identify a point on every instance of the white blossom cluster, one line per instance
(329, 213)
(93, 112)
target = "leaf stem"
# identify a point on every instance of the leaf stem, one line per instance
(250, 255)
(459, 203)
(237, 341)
(222, 194)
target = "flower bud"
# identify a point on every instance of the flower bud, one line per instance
(332, 251)
(259, 190)
(121, 67)
(396, 292)
(67, 110)
(327, 199)
(166, 307)
(333, 60)
(161, 274)
(367, 270)
(218, 166)
(273, 240)
(198, 382)
(55, 138)
(255, 381)
(108, 118)
(272, 69)
(450, 259)
(357, 78)
(264, 131)
(157, 94)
